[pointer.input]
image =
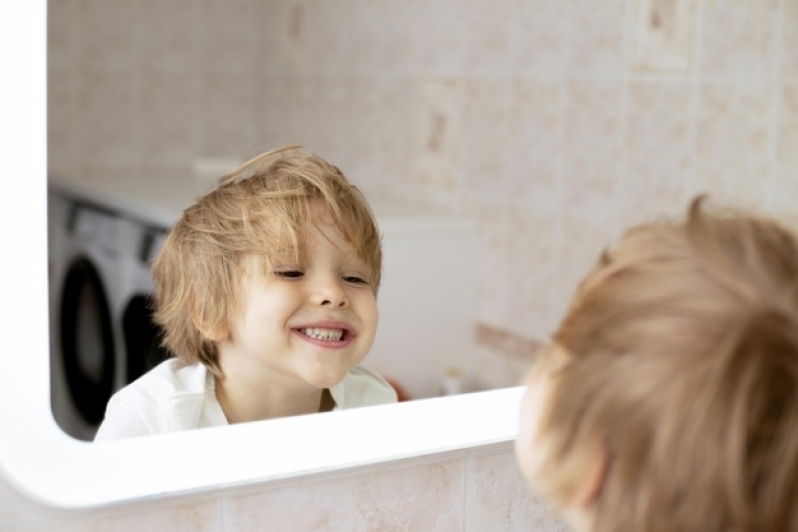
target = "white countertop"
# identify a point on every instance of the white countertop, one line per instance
(159, 197)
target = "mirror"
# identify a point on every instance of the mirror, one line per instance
(43, 462)
(146, 107)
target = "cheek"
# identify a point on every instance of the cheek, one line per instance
(530, 453)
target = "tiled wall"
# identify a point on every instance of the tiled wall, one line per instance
(475, 491)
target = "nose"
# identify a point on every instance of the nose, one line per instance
(329, 292)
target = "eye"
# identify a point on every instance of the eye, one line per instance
(289, 274)
(354, 279)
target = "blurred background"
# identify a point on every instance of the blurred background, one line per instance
(553, 123)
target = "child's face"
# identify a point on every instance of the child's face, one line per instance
(304, 325)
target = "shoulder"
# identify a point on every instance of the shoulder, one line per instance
(146, 405)
(362, 387)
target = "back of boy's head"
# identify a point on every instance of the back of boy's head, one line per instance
(681, 360)
(264, 208)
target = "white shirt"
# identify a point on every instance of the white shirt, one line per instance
(174, 396)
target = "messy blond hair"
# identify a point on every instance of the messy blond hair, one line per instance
(681, 361)
(265, 208)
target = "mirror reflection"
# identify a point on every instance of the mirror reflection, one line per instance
(148, 106)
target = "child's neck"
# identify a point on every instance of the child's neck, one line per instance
(241, 403)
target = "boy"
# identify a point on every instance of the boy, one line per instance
(668, 398)
(266, 291)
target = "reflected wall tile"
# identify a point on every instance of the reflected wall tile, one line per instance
(592, 146)
(595, 38)
(785, 194)
(493, 369)
(533, 245)
(537, 34)
(62, 35)
(169, 114)
(361, 161)
(171, 36)
(395, 137)
(305, 112)
(658, 148)
(739, 39)
(789, 47)
(228, 35)
(438, 139)
(416, 496)
(110, 128)
(284, 42)
(441, 34)
(330, 26)
(486, 127)
(400, 42)
(662, 36)
(734, 142)
(227, 113)
(63, 120)
(330, 120)
(495, 281)
(486, 45)
(110, 34)
(535, 145)
(363, 45)
(498, 499)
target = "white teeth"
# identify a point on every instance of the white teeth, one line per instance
(324, 334)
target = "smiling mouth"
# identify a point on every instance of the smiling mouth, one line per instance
(327, 335)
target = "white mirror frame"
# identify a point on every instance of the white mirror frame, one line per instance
(44, 463)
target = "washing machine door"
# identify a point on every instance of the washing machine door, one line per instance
(87, 342)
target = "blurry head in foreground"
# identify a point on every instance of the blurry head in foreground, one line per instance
(668, 398)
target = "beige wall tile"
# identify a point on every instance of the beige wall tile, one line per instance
(63, 120)
(592, 146)
(785, 191)
(789, 46)
(171, 36)
(441, 33)
(662, 36)
(486, 128)
(438, 139)
(486, 45)
(739, 39)
(498, 369)
(595, 38)
(63, 51)
(170, 115)
(537, 37)
(734, 142)
(229, 36)
(416, 496)
(110, 34)
(400, 41)
(534, 237)
(110, 128)
(495, 281)
(226, 113)
(535, 147)
(498, 499)
(658, 149)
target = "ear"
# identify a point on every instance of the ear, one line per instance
(214, 333)
(594, 477)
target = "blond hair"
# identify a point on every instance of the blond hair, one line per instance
(681, 360)
(265, 208)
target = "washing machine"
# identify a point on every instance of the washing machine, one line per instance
(101, 331)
